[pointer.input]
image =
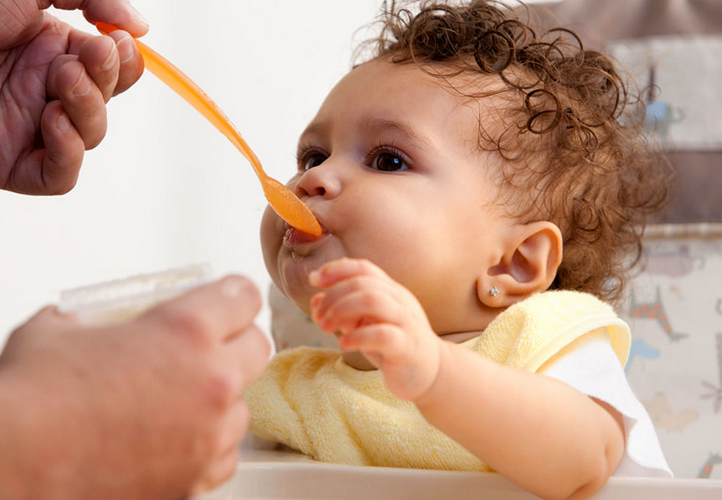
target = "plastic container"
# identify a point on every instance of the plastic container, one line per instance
(123, 299)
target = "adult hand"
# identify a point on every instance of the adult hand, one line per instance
(54, 83)
(146, 409)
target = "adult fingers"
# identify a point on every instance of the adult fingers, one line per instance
(53, 170)
(246, 355)
(219, 471)
(117, 12)
(219, 310)
(100, 57)
(131, 62)
(81, 98)
(114, 68)
(47, 321)
(223, 465)
(50, 319)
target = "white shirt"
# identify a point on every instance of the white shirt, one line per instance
(594, 369)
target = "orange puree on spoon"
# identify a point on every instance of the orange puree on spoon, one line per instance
(282, 200)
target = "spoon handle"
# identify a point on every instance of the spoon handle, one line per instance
(286, 204)
(179, 82)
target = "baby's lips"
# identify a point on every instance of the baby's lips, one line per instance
(302, 237)
(298, 237)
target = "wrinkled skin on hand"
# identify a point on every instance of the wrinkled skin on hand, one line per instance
(54, 84)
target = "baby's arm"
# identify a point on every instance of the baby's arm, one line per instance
(539, 432)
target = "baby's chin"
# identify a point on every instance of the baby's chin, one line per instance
(293, 278)
(300, 298)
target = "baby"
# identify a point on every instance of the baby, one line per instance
(480, 186)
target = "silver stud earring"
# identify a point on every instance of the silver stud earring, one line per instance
(494, 292)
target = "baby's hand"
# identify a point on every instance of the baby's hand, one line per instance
(382, 319)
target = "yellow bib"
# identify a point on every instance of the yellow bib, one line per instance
(312, 401)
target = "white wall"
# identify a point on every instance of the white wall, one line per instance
(165, 189)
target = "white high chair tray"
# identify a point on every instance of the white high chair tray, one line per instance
(266, 475)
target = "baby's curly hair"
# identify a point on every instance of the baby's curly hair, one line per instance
(570, 136)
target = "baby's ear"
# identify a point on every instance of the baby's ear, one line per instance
(529, 264)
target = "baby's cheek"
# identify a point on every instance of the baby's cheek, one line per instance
(271, 240)
(271, 230)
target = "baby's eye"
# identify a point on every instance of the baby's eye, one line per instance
(388, 161)
(311, 159)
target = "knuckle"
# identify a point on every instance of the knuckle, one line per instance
(191, 326)
(265, 347)
(238, 286)
(60, 181)
(360, 283)
(235, 456)
(367, 300)
(219, 392)
(365, 266)
(254, 359)
(244, 415)
(61, 186)
(128, 74)
(381, 332)
(229, 467)
(97, 137)
(261, 345)
(355, 284)
(373, 300)
(67, 71)
(211, 444)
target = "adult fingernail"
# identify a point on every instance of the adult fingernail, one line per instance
(82, 86)
(63, 123)
(231, 289)
(109, 60)
(125, 49)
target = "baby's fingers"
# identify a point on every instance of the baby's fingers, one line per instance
(382, 341)
(358, 308)
(323, 301)
(341, 269)
(53, 170)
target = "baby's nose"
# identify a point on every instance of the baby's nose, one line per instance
(321, 181)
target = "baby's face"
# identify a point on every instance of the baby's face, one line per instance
(390, 168)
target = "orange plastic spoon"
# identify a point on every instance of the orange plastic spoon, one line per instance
(282, 200)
